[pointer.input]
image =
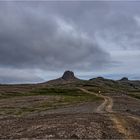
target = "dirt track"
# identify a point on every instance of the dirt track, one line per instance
(119, 122)
(98, 120)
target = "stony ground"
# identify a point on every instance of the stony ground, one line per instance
(115, 117)
(59, 126)
(126, 104)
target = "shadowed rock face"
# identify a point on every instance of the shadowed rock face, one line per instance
(124, 79)
(68, 75)
(98, 78)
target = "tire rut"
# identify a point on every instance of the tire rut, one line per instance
(106, 107)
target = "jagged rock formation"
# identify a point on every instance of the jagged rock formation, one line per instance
(98, 78)
(124, 79)
(67, 77)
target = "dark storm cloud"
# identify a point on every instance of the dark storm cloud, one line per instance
(35, 37)
(81, 36)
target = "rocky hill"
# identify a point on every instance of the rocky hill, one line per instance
(67, 77)
(124, 79)
(99, 83)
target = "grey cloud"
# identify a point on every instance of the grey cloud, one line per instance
(54, 36)
(109, 19)
(32, 39)
(8, 75)
(14, 79)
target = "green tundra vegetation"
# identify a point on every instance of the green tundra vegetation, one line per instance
(62, 97)
(64, 94)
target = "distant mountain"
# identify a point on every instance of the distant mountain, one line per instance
(124, 84)
(99, 83)
(67, 77)
(135, 84)
(98, 78)
(124, 79)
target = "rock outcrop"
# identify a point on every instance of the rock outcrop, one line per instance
(124, 79)
(67, 77)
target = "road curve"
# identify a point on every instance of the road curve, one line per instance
(106, 108)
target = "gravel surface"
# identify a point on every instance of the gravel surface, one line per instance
(126, 104)
(89, 107)
(59, 126)
(93, 120)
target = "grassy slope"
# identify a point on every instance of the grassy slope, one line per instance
(110, 86)
(135, 95)
(67, 96)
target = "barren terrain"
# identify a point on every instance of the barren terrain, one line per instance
(96, 115)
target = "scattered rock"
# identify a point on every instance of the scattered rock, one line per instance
(69, 75)
(74, 136)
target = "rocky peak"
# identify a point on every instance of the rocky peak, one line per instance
(100, 78)
(68, 75)
(124, 79)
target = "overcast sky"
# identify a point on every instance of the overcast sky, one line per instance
(40, 40)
